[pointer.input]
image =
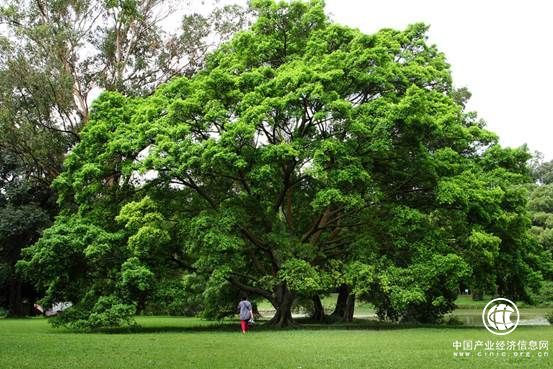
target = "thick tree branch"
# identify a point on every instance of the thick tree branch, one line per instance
(255, 290)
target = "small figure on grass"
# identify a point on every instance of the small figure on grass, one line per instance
(246, 314)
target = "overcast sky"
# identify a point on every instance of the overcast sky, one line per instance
(502, 51)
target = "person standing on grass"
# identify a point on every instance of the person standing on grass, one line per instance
(246, 313)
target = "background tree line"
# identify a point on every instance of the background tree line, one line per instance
(54, 55)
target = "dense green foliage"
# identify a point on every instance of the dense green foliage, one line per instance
(54, 55)
(304, 156)
(25, 209)
(540, 205)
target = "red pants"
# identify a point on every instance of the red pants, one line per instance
(244, 325)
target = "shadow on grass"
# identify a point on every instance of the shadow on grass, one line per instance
(233, 326)
(263, 326)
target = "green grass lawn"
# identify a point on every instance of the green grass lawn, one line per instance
(172, 342)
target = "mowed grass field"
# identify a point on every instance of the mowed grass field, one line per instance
(175, 342)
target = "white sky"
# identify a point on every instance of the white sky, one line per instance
(502, 51)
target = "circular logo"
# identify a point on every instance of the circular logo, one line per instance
(497, 318)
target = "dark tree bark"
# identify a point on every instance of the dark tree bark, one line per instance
(350, 308)
(340, 308)
(477, 294)
(15, 303)
(345, 304)
(283, 304)
(141, 304)
(318, 310)
(255, 310)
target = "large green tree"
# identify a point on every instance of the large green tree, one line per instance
(305, 156)
(31, 156)
(24, 212)
(120, 45)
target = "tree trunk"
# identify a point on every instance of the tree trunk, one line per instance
(255, 310)
(350, 308)
(477, 294)
(283, 305)
(318, 310)
(345, 304)
(343, 293)
(141, 304)
(14, 303)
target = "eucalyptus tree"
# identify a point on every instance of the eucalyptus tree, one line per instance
(56, 55)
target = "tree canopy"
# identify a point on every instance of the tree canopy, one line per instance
(56, 54)
(540, 204)
(305, 155)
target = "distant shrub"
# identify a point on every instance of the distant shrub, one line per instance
(549, 317)
(544, 296)
(452, 320)
(106, 312)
